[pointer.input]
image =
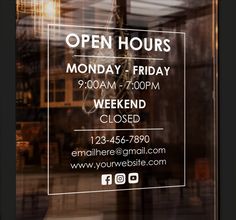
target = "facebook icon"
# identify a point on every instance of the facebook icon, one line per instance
(106, 179)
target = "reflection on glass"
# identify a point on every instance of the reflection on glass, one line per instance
(71, 108)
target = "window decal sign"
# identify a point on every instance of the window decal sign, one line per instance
(127, 83)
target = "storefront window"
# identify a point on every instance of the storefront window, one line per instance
(116, 105)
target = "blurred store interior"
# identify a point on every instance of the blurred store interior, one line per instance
(195, 201)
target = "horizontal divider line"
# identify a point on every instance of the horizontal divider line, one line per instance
(117, 190)
(122, 129)
(112, 57)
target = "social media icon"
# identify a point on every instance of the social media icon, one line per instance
(106, 179)
(120, 178)
(133, 178)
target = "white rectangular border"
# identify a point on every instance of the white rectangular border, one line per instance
(48, 140)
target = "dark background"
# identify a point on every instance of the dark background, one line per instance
(227, 152)
(7, 110)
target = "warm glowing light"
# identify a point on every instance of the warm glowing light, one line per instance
(42, 12)
(50, 10)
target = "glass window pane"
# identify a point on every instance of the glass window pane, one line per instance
(60, 97)
(60, 84)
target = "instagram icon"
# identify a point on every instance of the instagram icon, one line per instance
(120, 179)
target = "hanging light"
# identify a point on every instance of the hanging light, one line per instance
(50, 10)
(42, 12)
